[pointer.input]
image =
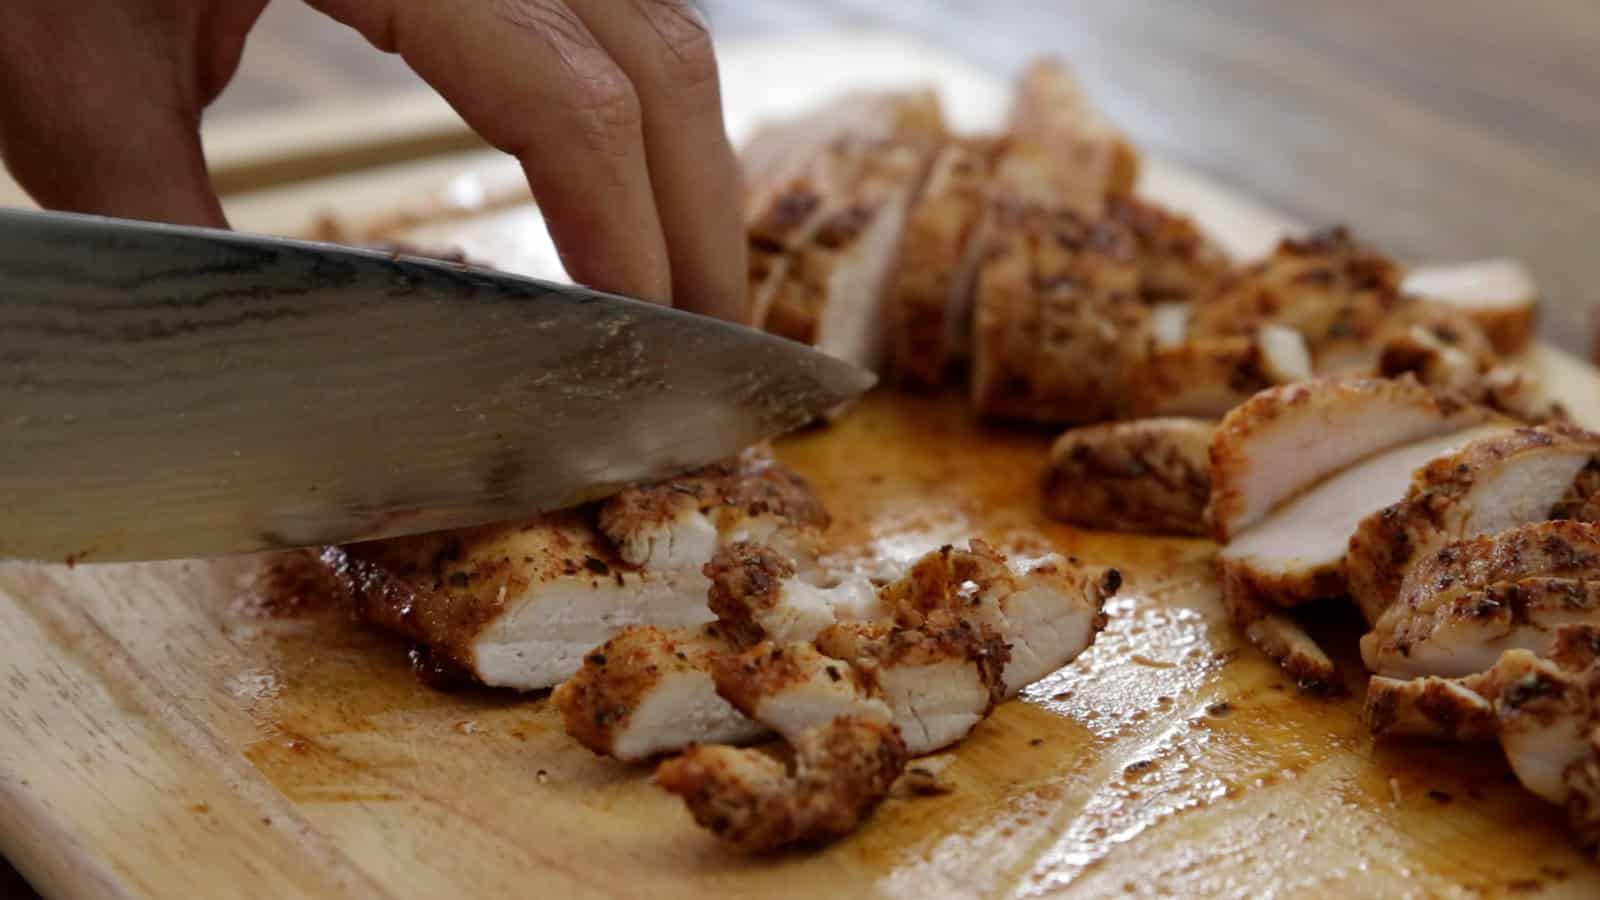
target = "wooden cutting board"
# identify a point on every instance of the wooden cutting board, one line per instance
(168, 733)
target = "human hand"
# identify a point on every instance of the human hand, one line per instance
(611, 106)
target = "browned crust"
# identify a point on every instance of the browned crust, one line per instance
(1563, 549)
(1386, 542)
(1229, 462)
(942, 636)
(1271, 589)
(1203, 377)
(1175, 260)
(753, 484)
(1328, 286)
(442, 589)
(746, 578)
(843, 770)
(1143, 476)
(768, 669)
(934, 265)
(1501, 606)
(1407, 706)
(1005, 318)
(598, 701)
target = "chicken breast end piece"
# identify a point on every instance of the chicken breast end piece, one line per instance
(1498, 294)
(842, 772)
(650, 691)
(1148, 475)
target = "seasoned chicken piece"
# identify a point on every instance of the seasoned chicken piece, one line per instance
(1048, 609)
(932, 284)
(1058, 325)
(1150, 475)
(1297, 553)
(939, 678)
(1280, 637)
(518, 605)
(1446, 351)
(1051, 110)
(1176, 262)
(842, 771)
(1562, 549)
(1484, 487)
(1443, 708)
(757, 594)
(649, 691)
(1286, 439)
(1210, 376)
(793, 688)
(1460, 634)
(1498, 294)
(833, 291)
(680, 523)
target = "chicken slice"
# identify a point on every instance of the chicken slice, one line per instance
(1336, 292)
(757, 593)
(842, 771)
(1443, 708)
(519, 605)
(832, 294)
(1149, 475)
(680, 523)
(933, 281)
(1058, 326)
(1286, 439)
(1498, 294)
(1483, 487)
(649, 691)
(1096, 160)
(1466, 633)
(1048, 610)
(1297, 553)
(1281, 638)
(1561, 549)
(1169, 324)
(939, 678)
(1175, 260)
(1210, 376)
(1447, 351)
(792, 688)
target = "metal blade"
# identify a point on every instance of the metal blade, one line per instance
(170, 392)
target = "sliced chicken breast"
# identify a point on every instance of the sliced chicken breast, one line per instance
(1336, 292)
(1286, 439)
(1177, 263)
(833, 292)
(757, 593)
(1499, 294)
(1210, 376)
(1297, 553)
(1149, 475)
(793, 688)
(842, 771)
(519, 605)
(1441, 708)
(650, 691)
(939, 678)
(933, 280)
(1484, 487)
(1051, 109)
(1561, 549)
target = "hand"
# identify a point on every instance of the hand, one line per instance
(611, 106)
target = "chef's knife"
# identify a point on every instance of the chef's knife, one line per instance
(174, 392)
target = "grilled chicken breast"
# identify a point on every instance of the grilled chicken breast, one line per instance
(1097, 161)
(1484, 487)
(1208, 377)
(519, 605)
(1150, 475)
(1287, 438)
(1498, 294)
(1177, 263)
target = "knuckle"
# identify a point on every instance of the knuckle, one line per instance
(604, 103)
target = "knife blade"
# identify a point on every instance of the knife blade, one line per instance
(173, 392)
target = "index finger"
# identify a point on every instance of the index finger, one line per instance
(530, 78)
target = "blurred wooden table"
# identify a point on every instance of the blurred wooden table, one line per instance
(1440, 128)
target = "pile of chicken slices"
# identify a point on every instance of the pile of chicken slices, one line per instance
(1343, 427)
(686, 618)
